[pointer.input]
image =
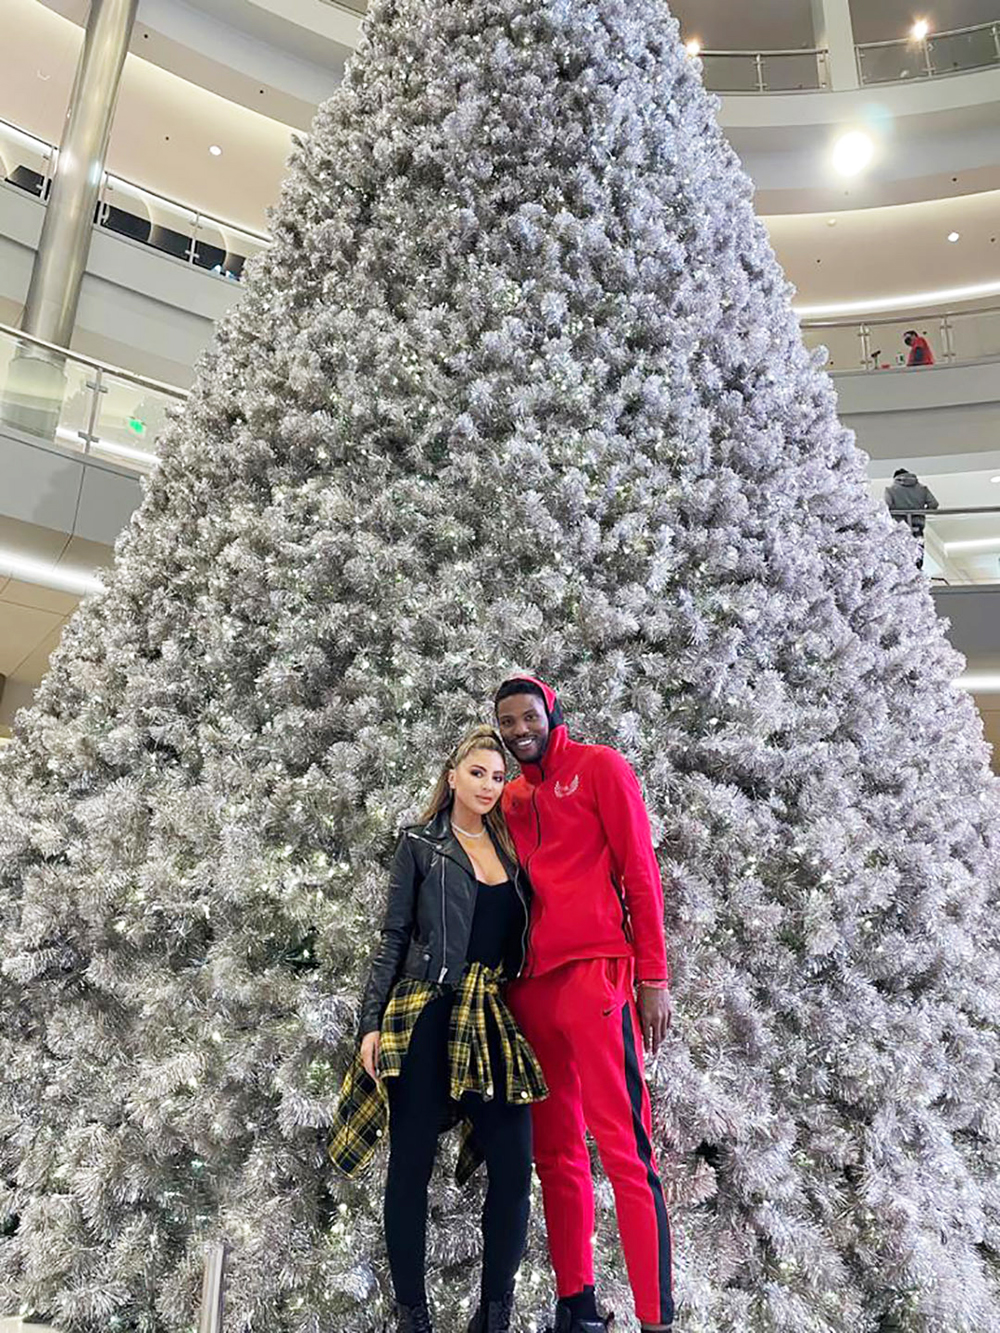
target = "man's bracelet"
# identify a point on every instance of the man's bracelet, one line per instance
(656, 985)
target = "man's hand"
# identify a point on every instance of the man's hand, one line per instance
(655, 1013)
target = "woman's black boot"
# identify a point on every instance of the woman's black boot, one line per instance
(413, 1318)
(493, 1316)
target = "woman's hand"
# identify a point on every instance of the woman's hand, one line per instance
(369, 1053)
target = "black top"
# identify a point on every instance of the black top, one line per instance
(496, 925)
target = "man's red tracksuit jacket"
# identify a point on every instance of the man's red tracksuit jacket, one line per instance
(581, 831)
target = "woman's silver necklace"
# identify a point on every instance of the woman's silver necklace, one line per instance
(465, 832)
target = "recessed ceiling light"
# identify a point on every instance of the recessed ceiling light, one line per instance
(831, 222)
(920, 30)
(995, 481)
(954, 236)
(693, 47)
(853, 152)
(215, 150)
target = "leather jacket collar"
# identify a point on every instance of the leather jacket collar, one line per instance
(438, 830)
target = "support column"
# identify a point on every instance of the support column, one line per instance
(34, 392)
(833, 30)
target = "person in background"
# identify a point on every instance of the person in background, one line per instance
(593, 992)
(920, 349)
(907, 497)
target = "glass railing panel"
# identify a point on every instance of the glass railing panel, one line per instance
(91, 410)
(24, 160)
(962, 546)
(146, 217)
(955, 52)
(975, 334)
(893, 62)
(793, 71)
(886, 348)
(209, 247)
(843, 342)
(731, 73)
(79, 406)
(130, 420)
(224, 249)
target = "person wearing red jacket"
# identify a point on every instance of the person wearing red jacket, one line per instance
(593, 991)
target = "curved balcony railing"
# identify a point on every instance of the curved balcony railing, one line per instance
(115, 416)
(102, 412)
(956, 51)
(129, 210)
(795, 71)
(961, 546)
(955, 337)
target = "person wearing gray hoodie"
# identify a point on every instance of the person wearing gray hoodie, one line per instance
(907, 498)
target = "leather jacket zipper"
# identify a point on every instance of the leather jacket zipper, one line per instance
(444, 928)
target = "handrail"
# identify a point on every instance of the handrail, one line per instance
(142, 381)
(947, 513)
(904, 317)
(931, 36)
(775, 51)
(221, 223)
(200, 213)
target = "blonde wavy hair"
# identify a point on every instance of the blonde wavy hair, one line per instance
(479, 738)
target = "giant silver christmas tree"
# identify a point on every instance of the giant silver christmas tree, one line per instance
(517, 383)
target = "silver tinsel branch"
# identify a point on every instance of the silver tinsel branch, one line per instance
(518, 383)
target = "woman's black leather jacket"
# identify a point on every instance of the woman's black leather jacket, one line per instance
(428, 918)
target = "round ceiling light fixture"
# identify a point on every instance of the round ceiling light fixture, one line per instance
(853, 152)
(920, 30)
(215, 150)
(693, 47)
(954, 236)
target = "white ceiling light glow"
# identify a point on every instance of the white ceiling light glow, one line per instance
(693, 47)
(920, 30)
(215, 150)
(980, 682)
(954, 236)
(905, 301)
(980, 545)
(45, 575)
(853, 152)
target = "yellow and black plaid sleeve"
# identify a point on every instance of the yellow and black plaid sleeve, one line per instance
(362, 1114)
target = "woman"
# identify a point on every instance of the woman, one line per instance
(438, 1039)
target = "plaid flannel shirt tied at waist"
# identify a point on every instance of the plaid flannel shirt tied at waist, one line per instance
(362, 1114)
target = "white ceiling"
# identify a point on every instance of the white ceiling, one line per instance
(884, 20)
(165, 124)
(876, 254)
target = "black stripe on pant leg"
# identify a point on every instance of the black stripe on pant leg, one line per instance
(633, 1081)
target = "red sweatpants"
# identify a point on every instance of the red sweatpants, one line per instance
(582, 1021)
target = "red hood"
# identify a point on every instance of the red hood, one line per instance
(558, 734)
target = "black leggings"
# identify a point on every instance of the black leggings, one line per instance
(418, 1107)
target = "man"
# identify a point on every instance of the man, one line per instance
(907, 497)
(920, 349)
(596, 937)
